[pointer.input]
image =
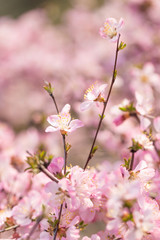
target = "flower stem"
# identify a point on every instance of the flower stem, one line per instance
(55, 103)
(39, 219)
(65, 153)
(59, 217)
(9, 228)
(105, 104)
(132, 161)
(63, 135)
(47, 173)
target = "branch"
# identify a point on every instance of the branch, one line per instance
(59, 217)
(39, 219)
(105, 104)
(132, 161)
(65, 153)
(47, 173)
(55, 103)
(9, 228)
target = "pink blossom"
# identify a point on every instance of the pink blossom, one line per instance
(93, 94)
(63, 122)
(145, 76)
(56, 165)
(156, 124)
(143, 172)
(120, 119)
(28, 208)
(4, 214)
(144, 107)
(144, 141)
(111, 28)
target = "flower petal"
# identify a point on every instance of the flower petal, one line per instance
(66, 108)
(51, 129)
(53, 120)
(120, 24)
(156, 124)
(85, 105)
(76, 123)
(102, 87)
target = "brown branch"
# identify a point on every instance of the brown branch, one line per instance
(39, 219)
(55, 103)
(132, 161)
(65, 153)
(105, 104)
(9, 228)
(47, 173)
(59, 217)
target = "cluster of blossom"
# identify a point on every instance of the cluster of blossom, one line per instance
(55, 201)
(58, 52)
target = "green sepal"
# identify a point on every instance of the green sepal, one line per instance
(128, 108)
(48, 87)
(122, 45)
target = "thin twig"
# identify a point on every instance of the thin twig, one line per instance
(55, 103)
(105, 104)
(59, 217)
(65, 165)
(65, 153)
(39, 219)
(46, 172)
(132, 161)
(156, 149)
(9, 228)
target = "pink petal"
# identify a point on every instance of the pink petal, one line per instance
(111, 21)
(120, 24)
(145, 122)
(51, 187)
(66, 108)
(148, 68)
(142, 165)
(56, 165)
(85, 105)
(53, 120)
(102, 88)
(76, 123)
(156, 124)
(51, 129)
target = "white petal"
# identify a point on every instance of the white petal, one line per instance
(66, 108)
(51, 129)
(76, 123)
(53, 120)
(85, 105)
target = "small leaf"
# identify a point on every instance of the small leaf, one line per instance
(126, 163)
(94, 149)
(101, 116)
(48, 87)
(68, 147)
(128, 108)
(135, 146)
(115, 74)
(121, 46)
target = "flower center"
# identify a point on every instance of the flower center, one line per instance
(109, 30)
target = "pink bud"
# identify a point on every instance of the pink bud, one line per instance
(56, 165)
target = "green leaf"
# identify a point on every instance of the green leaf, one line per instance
(128, 108)
(126, 163)
(68, 147)
(115, 74)
(135, 146)
(122, 45)
(94, 149)
(101, 116)
(48, 87)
